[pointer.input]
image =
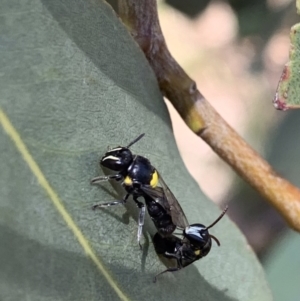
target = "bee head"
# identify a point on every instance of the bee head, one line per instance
(119, 158)
(199, 236)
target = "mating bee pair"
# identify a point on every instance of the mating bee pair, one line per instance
(141, 179)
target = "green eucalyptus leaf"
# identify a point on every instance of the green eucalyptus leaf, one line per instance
(283, 263)
(73, 82)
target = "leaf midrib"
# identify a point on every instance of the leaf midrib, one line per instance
(58, 204)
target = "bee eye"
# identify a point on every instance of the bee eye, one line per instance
(204, 233)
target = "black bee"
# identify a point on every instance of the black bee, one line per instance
(195, 244)
(141, 179)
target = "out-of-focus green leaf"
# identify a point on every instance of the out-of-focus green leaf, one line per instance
(72, 83)
(283, 266)
(288, 91)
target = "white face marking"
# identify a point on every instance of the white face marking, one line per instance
(194, 230)
(110, 158)
(114, 149)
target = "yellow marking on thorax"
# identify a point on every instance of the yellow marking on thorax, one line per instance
(128, 181)
(154, 180)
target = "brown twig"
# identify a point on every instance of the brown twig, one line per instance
(141, 19)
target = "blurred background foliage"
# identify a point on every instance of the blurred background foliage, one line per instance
(235, 51)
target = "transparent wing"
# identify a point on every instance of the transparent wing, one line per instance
(177, 214)
(167, 199)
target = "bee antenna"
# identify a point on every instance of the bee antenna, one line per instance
(135, 140)
(222, 214)
(215, 239)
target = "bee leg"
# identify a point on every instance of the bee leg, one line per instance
(167, 270)
(141, 219)
(173, 255)
(141, 224)
(174, 269)
(122, 202)
(100, 179)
